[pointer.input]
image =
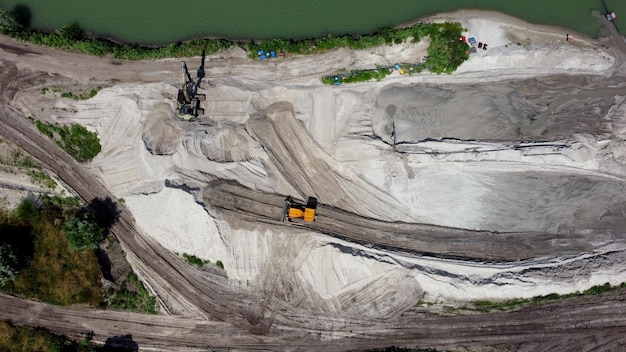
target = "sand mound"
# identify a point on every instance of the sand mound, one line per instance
(160, 133)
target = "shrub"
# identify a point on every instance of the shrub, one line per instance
(83, 232)
(192, 259)
(42, 179)
(219, 264)
(8, 23)
(8, 264)
(597, 290)
(27, 211)
(76, 140)
(132, 296)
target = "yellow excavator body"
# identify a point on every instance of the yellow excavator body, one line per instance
(294, 210)
(295, 213)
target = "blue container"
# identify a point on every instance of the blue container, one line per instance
(261, 52)
(273, 53)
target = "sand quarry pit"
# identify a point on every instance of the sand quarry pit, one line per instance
(506, 179)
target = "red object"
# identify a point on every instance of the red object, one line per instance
(463, 39)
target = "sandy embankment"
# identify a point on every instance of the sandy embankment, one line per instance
(164, 190)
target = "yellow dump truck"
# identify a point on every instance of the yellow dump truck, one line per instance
(293, 210)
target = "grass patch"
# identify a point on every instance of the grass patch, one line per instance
(55, 273)
(81, 95)
(510, 304)
(76, 140)
(51, 270)
(193, 260)
(27, 339)
(41, 178)
(131, 295)
(19, 159)
(22, 339)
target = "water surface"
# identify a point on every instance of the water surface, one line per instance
(167, 21)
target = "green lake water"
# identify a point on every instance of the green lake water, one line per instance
(167, 21)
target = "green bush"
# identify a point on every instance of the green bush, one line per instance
(76, 140)
(83, 232)
(26, 212)
(8, 23)
(41, 178)
(219, 264)
(192, 259)
(445, 53)
(132, 296)
(8, 264)
(598, 289)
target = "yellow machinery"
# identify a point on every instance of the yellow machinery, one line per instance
(293, 210)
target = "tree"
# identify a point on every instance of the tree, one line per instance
(71, 31)
(8, 23)
(9, 264)
(83, 232)
(27, 211)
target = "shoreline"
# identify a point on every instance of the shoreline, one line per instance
(454, 16)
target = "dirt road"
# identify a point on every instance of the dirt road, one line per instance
(587, 324)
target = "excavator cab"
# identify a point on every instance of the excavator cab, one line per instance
(294, 210)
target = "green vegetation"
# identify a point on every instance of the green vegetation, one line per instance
(41, 178)
(26, 339)
(445, 53)
(18, 339)
(14, 157)
(193, 260)
(401, 349)
(19, 159)
(510, 304)
(76, 96)
(76, 140)
(82, 231)
(381, 37)
(51, 270)
(132, 296)
(8, 23)
(9, 264)
(81, 95)
(72, 38)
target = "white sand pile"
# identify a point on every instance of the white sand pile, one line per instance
(175, 220)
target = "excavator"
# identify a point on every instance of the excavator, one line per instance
(188, 97)
(293, 210)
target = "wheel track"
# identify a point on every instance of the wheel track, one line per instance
(420, 239)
